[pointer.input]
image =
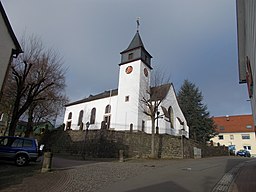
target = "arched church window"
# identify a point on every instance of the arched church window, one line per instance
(80, 118)
(70, 116)
(68, 126)
(171, 116)
(108, 109)
(93, 115)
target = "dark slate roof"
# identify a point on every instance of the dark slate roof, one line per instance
(8, 25)
(102, 95)
(157, 93)
(135, 43)
(160, 92)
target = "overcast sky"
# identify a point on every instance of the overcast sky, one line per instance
(188, 39)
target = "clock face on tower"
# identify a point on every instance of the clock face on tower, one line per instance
(128, 69)
(145, 72)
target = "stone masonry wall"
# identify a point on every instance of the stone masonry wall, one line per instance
(106, 143)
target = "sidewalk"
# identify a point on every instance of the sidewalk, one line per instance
(245, 180)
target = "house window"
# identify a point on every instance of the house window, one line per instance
(247, 147)
(231, 137)
(221, 137)
(248, 126)
(70, 116)
(245, 136)
(93, 115)
(221, 127)
(130, 56)
(126, 98)
(108, 109)
(80, 118)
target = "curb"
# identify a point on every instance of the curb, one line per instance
(226, 182)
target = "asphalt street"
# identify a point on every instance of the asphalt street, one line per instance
(191, 175)
(139, 175)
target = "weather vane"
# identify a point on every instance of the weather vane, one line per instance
(138, 23)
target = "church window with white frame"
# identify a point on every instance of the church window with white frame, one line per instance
(70, 116)
(80, 118)
(171, 116)
(93, 115)
(108, 109)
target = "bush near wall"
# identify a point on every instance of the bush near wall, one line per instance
(107, 143)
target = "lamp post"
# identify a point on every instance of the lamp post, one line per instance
(87, 125)
(157, 116)
(181, 140)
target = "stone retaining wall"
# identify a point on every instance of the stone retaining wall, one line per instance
(107, 143)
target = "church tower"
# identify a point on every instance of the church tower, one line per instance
(134, 82)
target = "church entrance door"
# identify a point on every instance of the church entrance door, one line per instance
(107, 120)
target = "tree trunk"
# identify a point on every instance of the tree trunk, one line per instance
(29, 129)
(153, 154)
(14, 120)
(13, 126)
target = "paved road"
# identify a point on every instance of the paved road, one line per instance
(137, 176)
(184, 176)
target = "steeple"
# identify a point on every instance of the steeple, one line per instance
(135, 43)
(136, 51)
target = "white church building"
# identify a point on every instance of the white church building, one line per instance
(122, 109)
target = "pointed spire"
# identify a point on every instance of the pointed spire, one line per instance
(136, 42)
(137, 49)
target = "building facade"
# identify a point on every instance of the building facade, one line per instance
(9, 47)
(123, 109)
(236, 132)
(246, 34)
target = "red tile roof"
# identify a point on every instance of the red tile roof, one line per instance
(233, 124)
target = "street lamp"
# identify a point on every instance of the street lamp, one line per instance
(157, 116)
(181, 140)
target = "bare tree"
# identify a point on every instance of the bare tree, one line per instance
(37, 78)
(151, 101)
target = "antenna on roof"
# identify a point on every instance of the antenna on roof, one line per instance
(138, 23)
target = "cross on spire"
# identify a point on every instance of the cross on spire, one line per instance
(138, 23)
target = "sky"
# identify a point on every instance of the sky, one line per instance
(188, 39)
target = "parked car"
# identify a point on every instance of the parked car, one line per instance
(243, 153)
(18, 149)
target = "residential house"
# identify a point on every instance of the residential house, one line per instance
(38, 128)
(237, 132)
(246, 34)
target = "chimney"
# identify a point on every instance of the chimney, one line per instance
(227, 117)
